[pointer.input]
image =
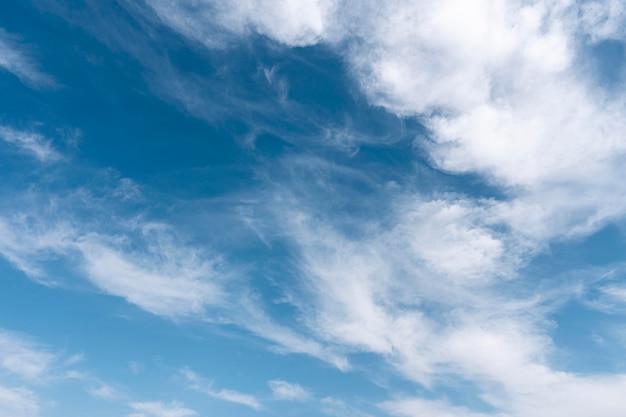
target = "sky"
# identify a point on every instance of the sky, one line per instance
(404, 208)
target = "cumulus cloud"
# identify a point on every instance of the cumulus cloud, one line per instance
(283, 390)
(15, 58)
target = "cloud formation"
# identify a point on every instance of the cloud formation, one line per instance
(18, 402)
(287, 391)
(15, 58)
(159, 409)
(31, 143)
(199, 384)
(24, 358)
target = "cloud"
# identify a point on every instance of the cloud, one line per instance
(104, 391)
(147, 266)
(22, 357)
(339, 408)
(416, 407)
(18, 402)
(500, 86)
(15, 58)
(159, 409)
(431, 283)
(164, 278)
(199, 384)
(283, 390)
(295, 23)
(564, 395)
(504, 95)
(31, 143)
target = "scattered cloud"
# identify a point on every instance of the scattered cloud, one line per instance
(295, 23)
(160, 275)
(159, 409)
(283, 390)
(104, 391)
(437, 287)
(338, 408)
(18, 402)
(15, 58)
(32, 143)
(419, 407)
(24, 358)
(201, 385)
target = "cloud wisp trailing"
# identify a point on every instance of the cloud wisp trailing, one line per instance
(200, 384)
(31, 143)
(159, 409)
(287, 391)
(15, 58)
(23, 358)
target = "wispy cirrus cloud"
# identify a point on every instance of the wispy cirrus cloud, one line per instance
(31, 143)
(160, 276)
(296, 23)
(24, 358)
(15, 58)
(202, 385)
(160, 409)
(288, 391)
(18, 402)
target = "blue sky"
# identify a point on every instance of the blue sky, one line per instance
(312, 208)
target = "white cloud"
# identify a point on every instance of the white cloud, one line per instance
(339, 408)
(15, 58)
(283, 390)
(159, 409)
(504, 95)
(199, 384)
(416, 407)
(499, 84)
(604, 19)
(22, 357)
(296, 23)
(164, 278)
(564, 395)
(160, 274)
(30, 142)
(104, 391)
(18, 402)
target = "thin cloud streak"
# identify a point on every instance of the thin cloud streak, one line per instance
(31, 143)
(15, 58)
(199, 384)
